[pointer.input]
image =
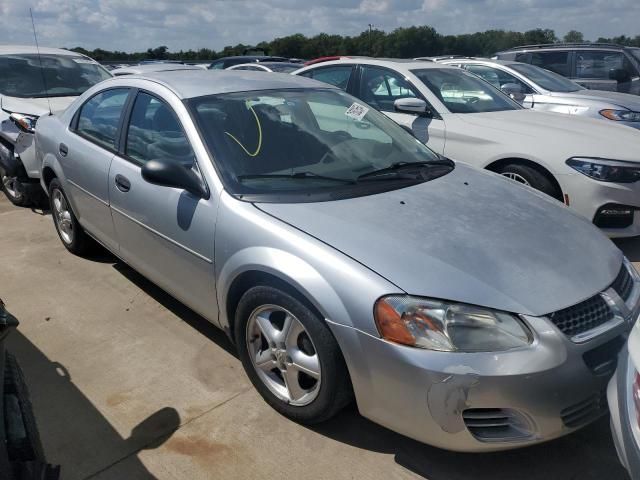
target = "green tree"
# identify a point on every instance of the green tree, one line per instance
(573, 36)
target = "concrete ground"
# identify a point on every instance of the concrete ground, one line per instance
(129, 384)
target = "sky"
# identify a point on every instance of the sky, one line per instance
(191, 24)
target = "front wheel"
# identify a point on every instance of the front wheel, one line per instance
(531, 177)
(13, 189)
(290, 356)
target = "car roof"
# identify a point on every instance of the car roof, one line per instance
(567, 46)
(151, 67)
(398, 63)
(477, 60)
(31, 49)
(198, 82)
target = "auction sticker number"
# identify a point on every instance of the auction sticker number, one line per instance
(356, 111)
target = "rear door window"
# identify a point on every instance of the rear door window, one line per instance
(99, 117)
(555, 61)
(597, 65)
(497, 78)
(155, 133)
(337, 75)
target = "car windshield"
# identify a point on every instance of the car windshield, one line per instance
(463, 92)
(64, 75)
(309, 142)
(545, 78)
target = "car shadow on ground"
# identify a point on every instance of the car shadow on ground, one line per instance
(585, 455)
(75, 435)
(630, 247)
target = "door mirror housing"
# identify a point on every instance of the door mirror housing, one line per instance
(412, 105)
(514, 91)
(169, 173)
(620, 75)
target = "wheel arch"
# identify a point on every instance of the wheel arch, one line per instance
(497, 165)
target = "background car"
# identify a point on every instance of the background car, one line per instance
(343, 257)
(279, 67)
(545, 90)
(592, 166)
(33, 84)
(151, 67)
(623, 394)
(226, 62)
(597, 66)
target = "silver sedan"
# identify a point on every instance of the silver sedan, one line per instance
(343, 257)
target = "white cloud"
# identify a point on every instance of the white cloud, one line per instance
(137, 25)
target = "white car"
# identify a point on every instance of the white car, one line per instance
(542, 89)
(32, 85)
(590, 165)
(273, 67)
(151, 67)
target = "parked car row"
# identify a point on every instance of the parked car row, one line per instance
(321, 223)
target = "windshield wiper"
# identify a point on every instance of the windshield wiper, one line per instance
(397, 168)
(295, 175)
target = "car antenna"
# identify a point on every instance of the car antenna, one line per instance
(44, 80)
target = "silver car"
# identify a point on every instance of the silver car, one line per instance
(343, 257)
(544, 90)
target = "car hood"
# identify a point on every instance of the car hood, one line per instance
(470, 237)
(570, 135)
(626, 100)
(36, 106)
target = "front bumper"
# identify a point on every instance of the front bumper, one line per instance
(587, 196)
(617, 395)
(482, 401)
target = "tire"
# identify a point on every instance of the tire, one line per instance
(72, 235)
(23, 439)
(13, 190)
(532, 177)
(313, 346)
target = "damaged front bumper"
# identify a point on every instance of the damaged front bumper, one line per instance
(482, 401)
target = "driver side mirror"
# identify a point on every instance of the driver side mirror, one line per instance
(620, 75)
(514, 91)
(413, 106)
(170, 173)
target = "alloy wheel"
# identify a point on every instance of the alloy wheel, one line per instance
(10, 185)
(62, 215)
(283, 355)
(516, 177)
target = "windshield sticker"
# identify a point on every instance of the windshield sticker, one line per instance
(84, 60)
(356, 111)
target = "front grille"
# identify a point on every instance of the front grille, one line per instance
(495, 424)
(585, 411)
(623, 284)
(582, 317)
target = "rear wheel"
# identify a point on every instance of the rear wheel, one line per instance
(531, 177)
(290, 356)
(69, 230)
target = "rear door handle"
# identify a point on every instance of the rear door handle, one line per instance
(63, 149)
(122, 183)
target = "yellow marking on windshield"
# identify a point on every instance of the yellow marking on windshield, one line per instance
(259, 147)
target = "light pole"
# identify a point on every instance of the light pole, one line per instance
(370, 44)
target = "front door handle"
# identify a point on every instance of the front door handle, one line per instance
(63, 149)
(122, 183)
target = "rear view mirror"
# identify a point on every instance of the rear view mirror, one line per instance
(411, 105)
(170, 173)
(514, 91)
(620, 75)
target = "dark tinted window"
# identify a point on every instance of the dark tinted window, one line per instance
(555, 61)
(380, 87)
(594, 64)
(155, 132)
(545, 78)
(100, 116)
(338, 75)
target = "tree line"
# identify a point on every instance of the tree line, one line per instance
(406, 42)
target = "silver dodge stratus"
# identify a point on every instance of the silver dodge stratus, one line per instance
(343, 257)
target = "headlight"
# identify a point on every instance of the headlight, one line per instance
(26, 123)
(606, 170)
(449, 327)
(621, 115)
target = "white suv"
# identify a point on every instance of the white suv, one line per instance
(592, 166)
